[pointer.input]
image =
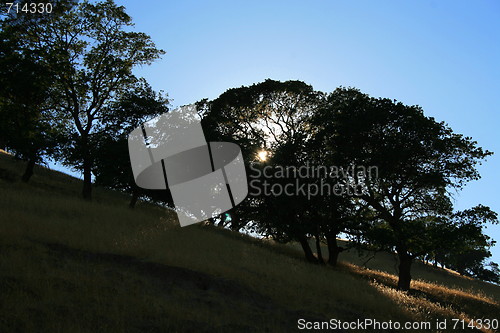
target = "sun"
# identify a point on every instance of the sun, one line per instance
(262, 155)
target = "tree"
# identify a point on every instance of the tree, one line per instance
(460, 242)
(112, 163)
(338, 212)
(91, 57)
(28, 124)
(491, 274)
(279, 216)
(418, 161)
(269, 116)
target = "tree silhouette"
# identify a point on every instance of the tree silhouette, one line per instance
(463, 246)
(28, 124)
(418, 160)
(90, 55)
(112, 163)
(270, 116)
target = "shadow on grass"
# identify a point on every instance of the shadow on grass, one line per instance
(199, 292)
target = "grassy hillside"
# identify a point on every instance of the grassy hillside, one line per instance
(72, 266)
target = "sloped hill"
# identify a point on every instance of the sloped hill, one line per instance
(72, 266)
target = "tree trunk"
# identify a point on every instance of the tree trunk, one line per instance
(235, 222)
(29, 170)
(133, 200)
(318, 250)
(333, 249)
(405, 261)
(307, 249)
(87, 173)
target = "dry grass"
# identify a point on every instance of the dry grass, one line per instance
(386, 262)
(69, 265)
(431, 301)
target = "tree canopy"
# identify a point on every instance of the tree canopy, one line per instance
(89, 52)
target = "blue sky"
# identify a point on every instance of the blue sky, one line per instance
(441, 55)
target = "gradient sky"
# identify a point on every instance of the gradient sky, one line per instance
(441, 55)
